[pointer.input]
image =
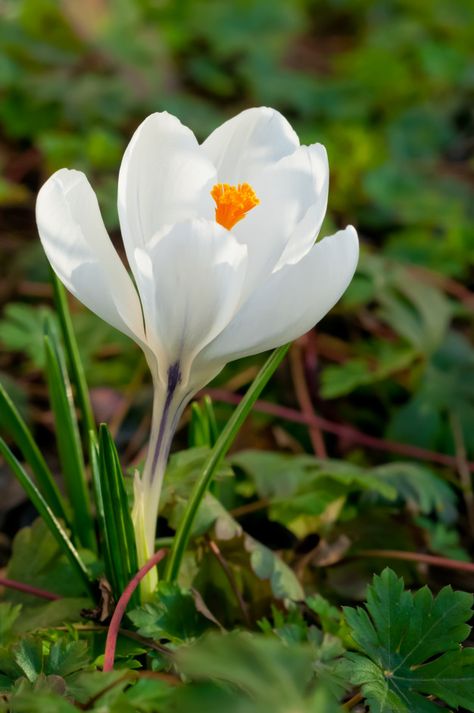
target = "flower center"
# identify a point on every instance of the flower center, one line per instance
(233, 202)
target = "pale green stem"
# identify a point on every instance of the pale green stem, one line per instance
(167, 408)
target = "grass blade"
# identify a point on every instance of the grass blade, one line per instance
(115, 522)
(69, 443)
(216, 456)
(78, 376)
(47, 514)
(20, 433)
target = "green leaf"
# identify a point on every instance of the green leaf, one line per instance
(115, 523)
(38, 560)
(399, 634)
(262, 674)
(203, 429)
(171, 615)
(51, 521)
(56, 613)
(75, 363)
(420, 488)
(66, 657)
(22, 330)
(28, 655)
(9, 614)
(69, 444)
(301, 488)
(12, 421)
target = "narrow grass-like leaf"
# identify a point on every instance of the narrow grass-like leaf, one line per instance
(14, 424)
(44, 510)
(117, 533)
(75, 364)
(69, 443)
(208, 409)
(215, 458)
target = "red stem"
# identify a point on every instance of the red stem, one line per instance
(418, 557)
(304, 399)
(27, 589)
(121, 607)
(341, 430)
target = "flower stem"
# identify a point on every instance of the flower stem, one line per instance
(168, 404)
(121, 607)
(215, 458)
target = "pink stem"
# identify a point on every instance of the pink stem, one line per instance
(121, 607)
(419, 557)
(27, 589)
(340, 430)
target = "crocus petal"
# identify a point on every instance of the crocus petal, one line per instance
(190, 279)
(80, 251)
(164, 178)
(293, 199)
(249, 142)
(291, 301)
(306, 231)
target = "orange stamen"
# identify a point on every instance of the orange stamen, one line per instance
(233, 202)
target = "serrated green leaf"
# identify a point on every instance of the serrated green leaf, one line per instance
(66, 657)
(28, 655)
(171, 615)
(398, 634)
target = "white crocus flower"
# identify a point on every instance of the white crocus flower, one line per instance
(220, 240)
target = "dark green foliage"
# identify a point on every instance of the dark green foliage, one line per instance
(113, 511)
(410, 645)
(171, 615)
(280, 541)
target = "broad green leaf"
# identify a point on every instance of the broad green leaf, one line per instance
(398, 635)
(9, 614)
(420, 488)
(262, 673)
(38, 559)
(56, 613)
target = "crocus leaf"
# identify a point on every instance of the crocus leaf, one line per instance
(68, 441)
(115, 523)
(51, 521)
(12, 421)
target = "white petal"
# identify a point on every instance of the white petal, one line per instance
(293, 199)
(249, 142)
(291, 301)
(307, 230)
(190, 279)
(80, 251)
(164, 178)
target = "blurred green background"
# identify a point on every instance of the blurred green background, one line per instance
(386, 85)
